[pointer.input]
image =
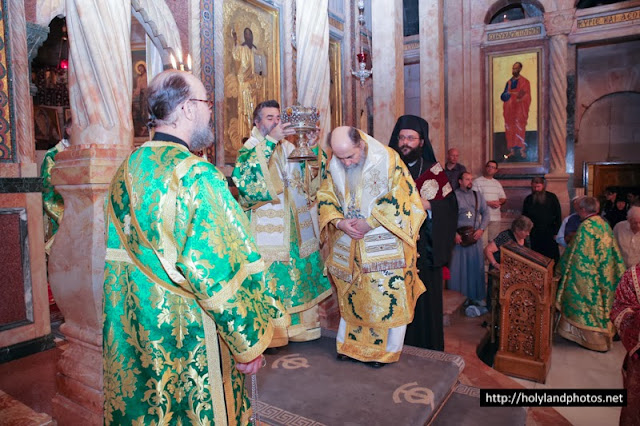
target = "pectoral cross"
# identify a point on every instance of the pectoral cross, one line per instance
(469, 214)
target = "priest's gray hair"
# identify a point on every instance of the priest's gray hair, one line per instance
(354, 135)
(257, 113)
(589, 205)
(165, 93)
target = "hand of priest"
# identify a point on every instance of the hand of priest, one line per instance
(478, 234)
(250, 367)
(458, 238)
(349, 227)
(313, 138)
(280, 130)
(362, 226)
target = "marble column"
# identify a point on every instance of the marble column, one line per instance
(100, 87)
(558, 26)
(432, 101)
(388, 66)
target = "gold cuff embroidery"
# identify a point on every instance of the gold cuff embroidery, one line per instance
(231, 286)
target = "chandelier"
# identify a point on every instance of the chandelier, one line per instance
(362, 73)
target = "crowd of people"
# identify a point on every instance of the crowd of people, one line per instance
(198, 285)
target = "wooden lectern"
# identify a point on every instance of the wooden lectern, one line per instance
(527, 298)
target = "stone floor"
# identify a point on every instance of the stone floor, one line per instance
(572, 366)
(31, 380)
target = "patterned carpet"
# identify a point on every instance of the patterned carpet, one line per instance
(304, 383)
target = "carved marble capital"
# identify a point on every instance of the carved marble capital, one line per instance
(88, 164)
(559, 22)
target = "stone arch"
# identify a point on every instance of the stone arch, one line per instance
(500, 4)
(157, 19)
(613, 81)
(610, 130)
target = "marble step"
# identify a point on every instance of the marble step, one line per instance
(452, 305)
(462, 408)
(15, 413)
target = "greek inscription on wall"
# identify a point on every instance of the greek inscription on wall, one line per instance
(505, 35)
(609, 19)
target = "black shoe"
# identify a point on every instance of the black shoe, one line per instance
(271, 351)
(343, 357)
(376, 364)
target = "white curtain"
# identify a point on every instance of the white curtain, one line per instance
(312, 72)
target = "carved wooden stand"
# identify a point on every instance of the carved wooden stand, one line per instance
(527, 293)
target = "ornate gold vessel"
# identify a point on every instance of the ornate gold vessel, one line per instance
(304, 120)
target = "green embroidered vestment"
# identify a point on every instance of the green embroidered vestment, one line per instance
(283, 194)
(184, 293)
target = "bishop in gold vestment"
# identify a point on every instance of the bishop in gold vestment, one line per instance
(370, 215)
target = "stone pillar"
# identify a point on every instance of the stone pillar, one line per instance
(558, 26)
(388, 66)
(82, 176)
(432, 100)
(100, 87)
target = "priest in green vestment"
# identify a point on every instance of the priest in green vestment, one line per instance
(370, 214)
(279, 196)
(187, 309)
(51, 199)
(589, 269)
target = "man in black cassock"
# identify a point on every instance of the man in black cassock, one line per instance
(410, 138)
(543, 208)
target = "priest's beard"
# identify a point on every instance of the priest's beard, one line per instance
(540, 197)
(354, 173)
(412, 155)
(201, 138)
(264, 130)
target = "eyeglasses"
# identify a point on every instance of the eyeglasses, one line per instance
(407, 138)
(208, 102)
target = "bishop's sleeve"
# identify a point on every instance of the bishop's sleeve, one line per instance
(251, 173)
(400, 210)
(329, 207)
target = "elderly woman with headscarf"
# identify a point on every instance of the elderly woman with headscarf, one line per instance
(410, 138)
